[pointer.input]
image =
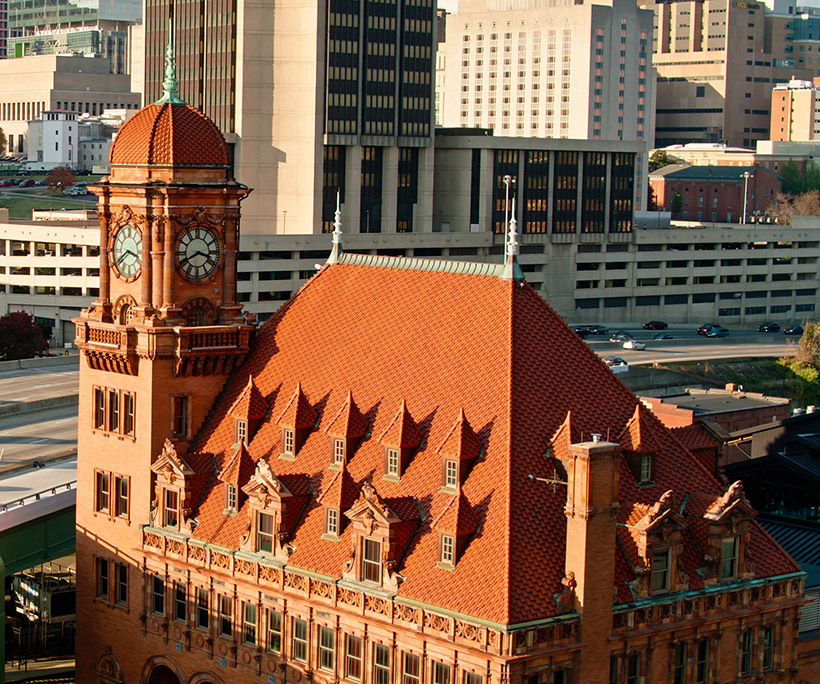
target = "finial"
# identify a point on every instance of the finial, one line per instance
(512, 271)
(336, 235)
(170, 86)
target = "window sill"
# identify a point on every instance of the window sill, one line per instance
(331, 538)
(391, 478)
(287, 457)
(229, 511)
(445, 566)
(646, 485)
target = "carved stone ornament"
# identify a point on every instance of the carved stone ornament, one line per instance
(200, 217)
(108, 667)
(565, 597)
(734, 497)
(170, 464)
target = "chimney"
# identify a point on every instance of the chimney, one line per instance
(591, 510)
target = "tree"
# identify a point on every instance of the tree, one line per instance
(807, 204)
(3, 141)
(20, 337)
(675, 203)
(781, 209)
(658, 159)
(59, 178)
(652, 200)
(793, 181)
(808, 348)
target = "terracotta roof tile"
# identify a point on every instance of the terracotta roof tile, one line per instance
(239, 468)
(169, 135)
(402, 430)
(456, 516)
(442, 342)
(349, 421)
(635, 436)
(341, 491)
(461, 442)
(695, 437)
(250, 404)
(298, 412)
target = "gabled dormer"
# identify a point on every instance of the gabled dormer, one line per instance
(338, 496)
(658, 537)
(381, 532)
(639, 447)
(173, 489)
(275, 505)
(454, 525)
(236, 472)
(296, 422)
(459, 450)
(248, 412)
(729, 521)
(399, 441)
(345, 430)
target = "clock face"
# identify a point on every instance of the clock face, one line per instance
(198, 252)
(127, 251)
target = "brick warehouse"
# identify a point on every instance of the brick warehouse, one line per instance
(413, 473)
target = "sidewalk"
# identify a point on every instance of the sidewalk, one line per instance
(42, 670)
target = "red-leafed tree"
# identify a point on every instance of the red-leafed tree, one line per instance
(20, 337)
(59, 178)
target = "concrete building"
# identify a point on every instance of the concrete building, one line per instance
(4, 27)
(34, 85)
(333, 102)
(717, 62)
(796, 111)
(87, 27)
(579, 71)
(714, 193)
(387, 482)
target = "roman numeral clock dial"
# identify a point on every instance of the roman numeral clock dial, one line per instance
(198, 253)
(127, 252)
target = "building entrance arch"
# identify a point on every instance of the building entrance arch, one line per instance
(162, 674)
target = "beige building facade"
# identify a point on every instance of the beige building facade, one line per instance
(717, 62)
(36, 84)
(795, 111)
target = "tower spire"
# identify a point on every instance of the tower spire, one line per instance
(336, 235)
(512, 271)
(170, 85)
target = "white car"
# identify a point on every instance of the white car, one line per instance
(634, 344)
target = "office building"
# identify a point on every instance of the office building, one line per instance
(4, 27)
(796, 111)
(91, 27)
(717, 62)
(34, 85)
(401, 477)
(337, 102)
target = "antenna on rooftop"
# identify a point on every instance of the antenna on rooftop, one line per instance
(512, 271)
(170, 86)
(336, 235)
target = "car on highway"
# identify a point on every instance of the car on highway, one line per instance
(581, 330)
(655, 325)
(706, 327)
(614, 361)
(663, 336)
(28, 183)
(794, 330)
(620, 336)
(717, 331)
(597, 329)
(634, 344)
(769, 327)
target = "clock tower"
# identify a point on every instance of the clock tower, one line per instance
(158, 343)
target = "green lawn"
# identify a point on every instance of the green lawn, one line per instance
(20, 206)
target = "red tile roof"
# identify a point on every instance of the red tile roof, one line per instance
(239, 468)
(169, 135)
(456, 516)
(341, 491)
(462, 442)
(695, 437)
(250, 405)
(440, 342)
(349, 421)
(402, 430)
(298, 412)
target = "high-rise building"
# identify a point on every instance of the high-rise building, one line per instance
(314, 100)
(4, 27)
(717, 62)
(73, 27)
(796, 111)
(402, 477)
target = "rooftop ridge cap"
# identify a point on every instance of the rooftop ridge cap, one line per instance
(422, 264)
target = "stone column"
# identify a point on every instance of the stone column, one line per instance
(167, 262)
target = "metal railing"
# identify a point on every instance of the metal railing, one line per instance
(31, 498)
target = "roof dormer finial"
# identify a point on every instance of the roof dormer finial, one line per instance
(512, 271)
(170, 85)
(336, 235)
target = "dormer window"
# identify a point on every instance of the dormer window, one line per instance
(645, 474)
(338, 455)
(447, 549)
(660, 570)
(230, 498)
(391, 462)
(264, 532)
(170, 508)
(450, 473)
(371, 568)
(728, 558)
(332, 522)
(287, 442)
(240, 431)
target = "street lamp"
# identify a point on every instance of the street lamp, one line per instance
(507, 181)
(746, 175)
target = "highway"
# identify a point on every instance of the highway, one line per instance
(38, 435)
(33, 384)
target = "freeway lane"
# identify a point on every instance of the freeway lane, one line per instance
(33, 384)
(32, 436)
(676, 351)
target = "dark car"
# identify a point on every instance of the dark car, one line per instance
(598, 330)
(662, 336)
(769, 327)
(614, 361)
(581, 330)
(655, 325)
(717, 331)
(706, 327)
(620, 336)
(28, 183)
(794, 330)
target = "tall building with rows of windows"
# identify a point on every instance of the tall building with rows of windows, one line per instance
(414, 473)
(335, 98)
